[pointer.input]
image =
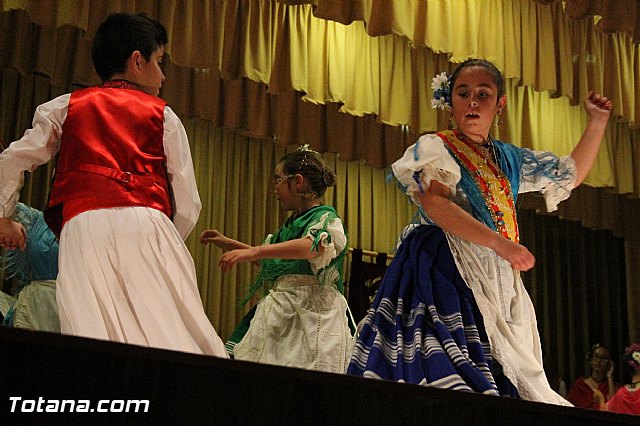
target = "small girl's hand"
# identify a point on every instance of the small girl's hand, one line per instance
(597, 106)
(12, 235)
(232, 257)
(212, 236)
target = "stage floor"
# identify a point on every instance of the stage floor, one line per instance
(43, 373)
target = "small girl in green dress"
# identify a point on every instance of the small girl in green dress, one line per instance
(302, 319)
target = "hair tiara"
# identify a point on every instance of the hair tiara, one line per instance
(306, 148)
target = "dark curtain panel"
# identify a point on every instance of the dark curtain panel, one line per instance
(19, 97)
(578, 287)
(364, 281)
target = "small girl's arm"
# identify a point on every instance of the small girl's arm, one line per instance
(216, 237)
(295, 249)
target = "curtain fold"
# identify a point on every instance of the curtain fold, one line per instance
(616, 15)
(578, 282)
(599, 209)
(273, 70)
(289, 47)
(289, 117)
(285, 117)
(385, 17)
(382, 17)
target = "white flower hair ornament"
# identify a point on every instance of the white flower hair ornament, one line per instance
(441, 86)
(632, 356)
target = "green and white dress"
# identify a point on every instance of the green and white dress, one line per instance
(302, 319)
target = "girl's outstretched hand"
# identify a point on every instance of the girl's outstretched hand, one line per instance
(597, 106)
(212, 236)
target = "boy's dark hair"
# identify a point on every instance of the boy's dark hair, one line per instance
(488, 66)
(309, 164)
(119, 36)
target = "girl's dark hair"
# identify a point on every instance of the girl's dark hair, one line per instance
(488, 66)
(119, 36)
(309, 164)
(596, 346)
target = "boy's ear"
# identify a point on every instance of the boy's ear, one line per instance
(135, 61)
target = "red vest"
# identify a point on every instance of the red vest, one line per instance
(111, 154)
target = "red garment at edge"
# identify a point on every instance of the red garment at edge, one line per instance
(625, 402)
(581, 394)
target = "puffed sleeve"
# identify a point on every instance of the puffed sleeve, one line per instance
(329, 232)
(186, 199)
(38, 145)
(553, 176)
(426, 160)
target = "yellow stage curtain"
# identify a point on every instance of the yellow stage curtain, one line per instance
(244, 79)
(289, 47)
(559, 133)
(404, 17)
(385, 78)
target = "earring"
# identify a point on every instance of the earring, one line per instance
(499, 121)
(308, 195)
(452, 123)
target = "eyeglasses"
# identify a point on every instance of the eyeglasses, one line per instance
(277, 180)
(600, 358)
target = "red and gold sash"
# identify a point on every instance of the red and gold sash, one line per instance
(492, 182)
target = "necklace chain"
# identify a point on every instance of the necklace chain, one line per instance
(487, 144)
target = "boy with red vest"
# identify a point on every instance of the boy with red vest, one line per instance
(123, 199)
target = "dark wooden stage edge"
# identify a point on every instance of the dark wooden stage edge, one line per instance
(43, 372)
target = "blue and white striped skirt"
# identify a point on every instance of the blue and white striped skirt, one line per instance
(424, 326)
